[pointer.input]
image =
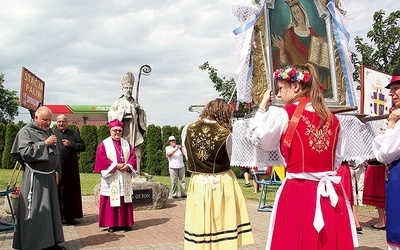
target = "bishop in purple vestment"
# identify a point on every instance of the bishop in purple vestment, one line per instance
(116, 162)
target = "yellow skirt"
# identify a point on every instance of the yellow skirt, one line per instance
(216, 214)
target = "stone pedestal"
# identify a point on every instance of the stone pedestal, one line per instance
(160, 193)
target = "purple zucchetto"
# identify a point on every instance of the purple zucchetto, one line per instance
(115, 123)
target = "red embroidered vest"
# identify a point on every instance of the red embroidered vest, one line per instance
(311, 150)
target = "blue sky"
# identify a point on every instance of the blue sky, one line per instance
(82, 48)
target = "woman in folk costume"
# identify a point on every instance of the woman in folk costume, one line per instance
(311, 210)
(216, 214)
(374, 190)
(116, 162)
(345, 174)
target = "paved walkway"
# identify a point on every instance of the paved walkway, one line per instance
(163, 229)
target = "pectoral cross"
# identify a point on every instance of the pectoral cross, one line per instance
(121, 154)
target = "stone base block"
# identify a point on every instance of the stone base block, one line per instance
(160, 194)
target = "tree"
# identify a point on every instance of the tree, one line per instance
(8, 103)
(227, 90)
(154, 150)
(88, 157)
(2, 139)
(384, 54)
(103, 131)
(224, 86)
(7, 160)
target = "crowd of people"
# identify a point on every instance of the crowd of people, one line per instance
(304, 130)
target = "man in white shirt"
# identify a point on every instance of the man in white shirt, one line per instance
(176, 167)
(386, 147)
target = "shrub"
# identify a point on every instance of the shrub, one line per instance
(238, 172)
(73, 127)
(2, 139)
(8, 161)
(103, 131)
(88, 157)
(153, 150)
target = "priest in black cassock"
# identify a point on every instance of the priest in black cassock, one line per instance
(69, 144)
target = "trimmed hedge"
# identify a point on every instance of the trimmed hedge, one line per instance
(7, 160)
(88, 157)
(103, 131)
(154, 151)
(2, 140)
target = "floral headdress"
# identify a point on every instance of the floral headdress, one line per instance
(292, 75)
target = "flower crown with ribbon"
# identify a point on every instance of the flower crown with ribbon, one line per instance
(292, 75)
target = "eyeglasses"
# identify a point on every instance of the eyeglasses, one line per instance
(117, 130)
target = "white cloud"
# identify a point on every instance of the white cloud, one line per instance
(82, 48)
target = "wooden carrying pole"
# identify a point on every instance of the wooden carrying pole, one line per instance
(373, 118)
(344, 109)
